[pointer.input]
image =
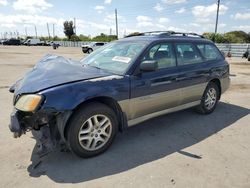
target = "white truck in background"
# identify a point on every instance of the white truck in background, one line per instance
(33, 42)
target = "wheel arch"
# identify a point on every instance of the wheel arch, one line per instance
(218, 83)
(110, 102)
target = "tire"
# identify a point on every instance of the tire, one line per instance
(92, 130)
(209, 99)
(89, 51)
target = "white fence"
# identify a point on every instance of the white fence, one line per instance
(71, 43)
(236, 50)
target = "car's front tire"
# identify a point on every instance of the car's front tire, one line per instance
(92, 129)
(209, 99)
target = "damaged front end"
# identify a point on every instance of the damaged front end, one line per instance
(47, 126)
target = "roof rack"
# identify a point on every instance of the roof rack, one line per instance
(165, 33)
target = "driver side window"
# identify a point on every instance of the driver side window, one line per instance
(163, 54)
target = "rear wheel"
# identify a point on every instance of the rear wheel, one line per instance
(209, 99)
(92, 129)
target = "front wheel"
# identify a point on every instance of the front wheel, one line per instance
(209, 99)
(92, 130)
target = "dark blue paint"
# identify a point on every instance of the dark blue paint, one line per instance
(68, 96)
(53, 71)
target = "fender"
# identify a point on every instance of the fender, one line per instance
(73, 94)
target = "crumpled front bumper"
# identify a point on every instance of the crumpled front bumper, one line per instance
(14, 125)
(46, 127)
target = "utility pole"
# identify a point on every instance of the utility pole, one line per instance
(75, 25)
(48, 30)
(53, 30)
(116, 23)
(35, 31)
(217, 15)
(26, 32)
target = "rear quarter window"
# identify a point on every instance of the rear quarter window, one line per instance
(209, 52)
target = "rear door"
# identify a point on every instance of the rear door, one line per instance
(193, 72)
(155, 91)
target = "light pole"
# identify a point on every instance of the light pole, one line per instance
(116, 23)
(217, 15)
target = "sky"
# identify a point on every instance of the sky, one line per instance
(97, 16)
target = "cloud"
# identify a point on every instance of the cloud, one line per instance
(163, 20)
(205, 11)
(222, 25)
(8, 25)
(107, 1)
(20, 19)
(31, 6)
(241, 16)
(181, 10)
(143, 19)
(174, 1)
(3, 2)
(110, 18)
(195, 25)
(242, 27)
(158, 7)
(99, 8)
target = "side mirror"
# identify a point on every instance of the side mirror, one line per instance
(149, 65)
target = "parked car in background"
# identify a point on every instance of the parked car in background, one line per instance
(2, 40)
(84, 104)
(33, 42)
(12, 42)
(88, 48)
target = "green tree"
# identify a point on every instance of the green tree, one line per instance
(104, 38)
(217, 38)
(84, 38)
(68, 29)
(229, 37)
(74, 38)
(238, 37)
(133, 34)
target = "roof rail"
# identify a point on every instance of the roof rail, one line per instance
(165, 33)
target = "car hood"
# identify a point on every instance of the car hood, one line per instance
(52, 71)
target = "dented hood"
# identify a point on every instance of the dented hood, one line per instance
(55, 70)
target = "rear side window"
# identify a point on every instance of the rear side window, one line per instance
(187, 54)
(209, 52)
(163, 54)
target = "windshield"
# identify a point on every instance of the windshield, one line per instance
(115, 57)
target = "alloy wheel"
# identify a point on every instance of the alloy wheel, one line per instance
(95, 132)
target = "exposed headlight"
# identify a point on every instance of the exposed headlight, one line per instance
(28, 103)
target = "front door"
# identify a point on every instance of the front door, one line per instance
(158, 90)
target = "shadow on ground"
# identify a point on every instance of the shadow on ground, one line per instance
(149, 141)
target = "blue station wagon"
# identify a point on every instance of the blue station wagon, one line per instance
(82, 105)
